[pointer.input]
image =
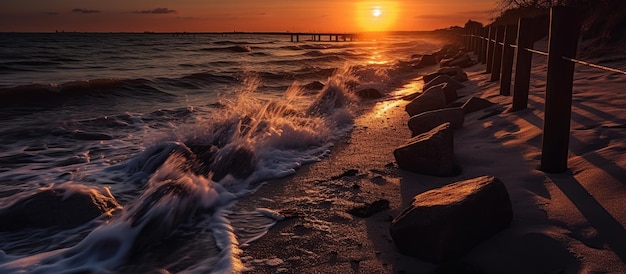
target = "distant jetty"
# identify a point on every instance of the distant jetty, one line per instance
(294, 36)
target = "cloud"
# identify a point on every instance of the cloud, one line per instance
(85, 11)
(156, 11)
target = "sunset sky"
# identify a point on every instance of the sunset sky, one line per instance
(239, 15)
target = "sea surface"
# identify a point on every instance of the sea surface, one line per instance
(164, 133)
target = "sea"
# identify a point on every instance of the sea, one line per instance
(163, 133)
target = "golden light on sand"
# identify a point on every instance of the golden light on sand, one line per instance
(376, 16)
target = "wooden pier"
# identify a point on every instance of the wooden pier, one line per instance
(320, 36)
(294, 36)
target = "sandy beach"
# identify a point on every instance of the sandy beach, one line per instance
(570, 222)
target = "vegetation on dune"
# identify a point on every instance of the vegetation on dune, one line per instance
(604, 24)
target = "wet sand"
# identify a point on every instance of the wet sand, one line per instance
(563, 223)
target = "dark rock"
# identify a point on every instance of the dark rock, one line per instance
(475, 104)
(427, 60)
(369, 209)
(449, 93)
(430, 153)
(237, 160)
(347, 173)
(447, 51)
(431, 99)
(445, 62)
(331, 98)
(426, 121)
(446, 223)
(369, 93)
(463, 61)
(66, 205)
(315, 85)
(454, 84)
(456, 73)
(455, 105)
(411, 96)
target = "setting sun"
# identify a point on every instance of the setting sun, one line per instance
(376, 16)
(376, 12)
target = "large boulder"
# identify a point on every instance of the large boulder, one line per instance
(430, 153)
(67, 205)
(475, 104)
(456, 73)
(454, 84)
(446, 223)
(449, 93)
(431, 99)
(426, 121)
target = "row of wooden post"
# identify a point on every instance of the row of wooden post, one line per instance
(493, 47)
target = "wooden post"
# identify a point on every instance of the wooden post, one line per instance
(496, 65)
(490, 48)
(524, 59)
(562, 42)
(507, 60)
(477, 43)
(483, 45)
(473, 40)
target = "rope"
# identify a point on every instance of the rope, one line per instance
(563, 57)
(594, 65)
(536, 51)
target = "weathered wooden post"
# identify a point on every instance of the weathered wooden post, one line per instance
(507, 60)
(483, 45)
(479, 43)
(496, 65)
(490, 48)
(523, 63)
(562, 42)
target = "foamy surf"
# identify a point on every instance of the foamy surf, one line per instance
(193, 181)
(175, 140)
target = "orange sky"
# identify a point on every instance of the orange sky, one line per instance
(240, 15)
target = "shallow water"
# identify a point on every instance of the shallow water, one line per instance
(174, 130)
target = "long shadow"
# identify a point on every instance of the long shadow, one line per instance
(609, 229)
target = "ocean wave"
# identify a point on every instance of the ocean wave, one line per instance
(236, 48)
(230, 42)
(186, 186)
(52, 94)
(316, 46)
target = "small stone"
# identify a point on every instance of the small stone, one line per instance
(274, 262)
